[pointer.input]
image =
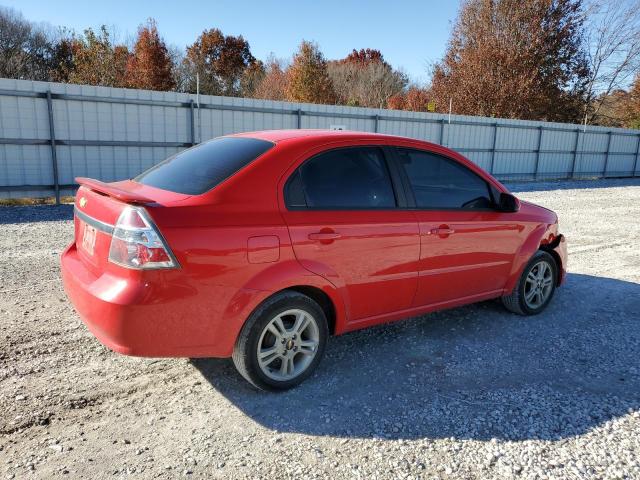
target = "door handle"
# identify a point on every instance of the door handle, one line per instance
(442, 231)
(324, 236)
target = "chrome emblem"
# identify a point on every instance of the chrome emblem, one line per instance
(83, 202)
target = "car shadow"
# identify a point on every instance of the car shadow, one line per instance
(35, 213)
(550, 185)
(476, 372)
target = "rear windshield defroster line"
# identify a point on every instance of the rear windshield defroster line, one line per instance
(199, 169)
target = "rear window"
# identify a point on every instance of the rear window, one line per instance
(200, 168)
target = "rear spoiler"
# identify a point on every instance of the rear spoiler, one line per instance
(114, 191)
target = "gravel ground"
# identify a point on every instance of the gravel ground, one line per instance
(473, 392)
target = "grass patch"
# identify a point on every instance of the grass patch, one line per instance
(13, 202)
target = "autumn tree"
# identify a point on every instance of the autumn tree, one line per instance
(515, 59)
(363, 78)
(307, 77)
(415, 99)
(631, 107)
(97, 61)
(62, 60)
(274, 82)
(251, 79)
(149, 65)
(220, 61)
(612, 109)
(364, 57)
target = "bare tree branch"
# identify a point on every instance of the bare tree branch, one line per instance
(613, 36)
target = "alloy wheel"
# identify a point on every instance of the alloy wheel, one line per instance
(538, 285)
(288, 344)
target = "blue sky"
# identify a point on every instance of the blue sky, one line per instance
(411, 34)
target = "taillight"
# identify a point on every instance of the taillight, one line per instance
(137, 243)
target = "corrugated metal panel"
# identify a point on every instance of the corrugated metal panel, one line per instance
(510, 149)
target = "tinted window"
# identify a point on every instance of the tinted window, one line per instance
(199, 169)
(294, 192)
(345, 178)
(438, 182)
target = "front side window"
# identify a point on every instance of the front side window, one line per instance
(441, 183)
(198, 169)
(344, 178)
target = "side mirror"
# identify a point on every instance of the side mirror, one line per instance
(508, 203)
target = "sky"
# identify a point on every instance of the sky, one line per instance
(411, 34)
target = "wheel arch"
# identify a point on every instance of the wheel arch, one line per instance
(543, 237)
(321, 298)
(289, 275)
(550, 248)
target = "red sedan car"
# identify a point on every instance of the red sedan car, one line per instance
(258, 246)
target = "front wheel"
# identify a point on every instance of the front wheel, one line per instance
(282, 342)
(535, 287)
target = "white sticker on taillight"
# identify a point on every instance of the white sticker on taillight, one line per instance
(136, 242)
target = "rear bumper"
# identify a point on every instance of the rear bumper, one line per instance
(148, 318)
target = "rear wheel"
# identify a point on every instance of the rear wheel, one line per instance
(536, 286)
(282, 342)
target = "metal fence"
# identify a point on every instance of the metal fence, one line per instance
(52, 132)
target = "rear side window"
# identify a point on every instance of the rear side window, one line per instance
(199, 169)
(343, 178)
(441, 183)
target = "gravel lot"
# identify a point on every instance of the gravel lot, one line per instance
(473, 392)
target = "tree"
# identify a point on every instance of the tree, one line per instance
(613, 36)
(274, 83)
(220, 62)
(25, 50)
(364, 56)
(415, 99)
(180, 72)
(251, 79)
(149, 66)
(631, 108)
(307, 78)
(96, 61)
(364, 78)
(62, 62)
(515, 59)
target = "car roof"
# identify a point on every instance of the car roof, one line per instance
(277, 136)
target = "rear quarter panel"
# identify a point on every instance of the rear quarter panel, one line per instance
(234, 251)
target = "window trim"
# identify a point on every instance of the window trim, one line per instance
(390, 165)
(409, 188)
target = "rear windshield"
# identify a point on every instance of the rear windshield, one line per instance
(199, 169)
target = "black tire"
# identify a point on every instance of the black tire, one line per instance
(245, 352)
(515, 301)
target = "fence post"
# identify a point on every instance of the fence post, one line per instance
(441, 132)
(193, 126)
(376, 119)
(299, 113)
(606, 158)
(635, 162)
(575, 154)
(493, 147)
(535, 173)
(54, 157)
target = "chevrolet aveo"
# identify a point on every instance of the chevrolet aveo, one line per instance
(259, 246)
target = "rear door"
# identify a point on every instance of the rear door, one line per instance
(345, 224)
(467, 246)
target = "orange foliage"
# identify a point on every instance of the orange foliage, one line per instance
(149, 66)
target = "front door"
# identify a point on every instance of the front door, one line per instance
(467, 246)
(345, 225)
